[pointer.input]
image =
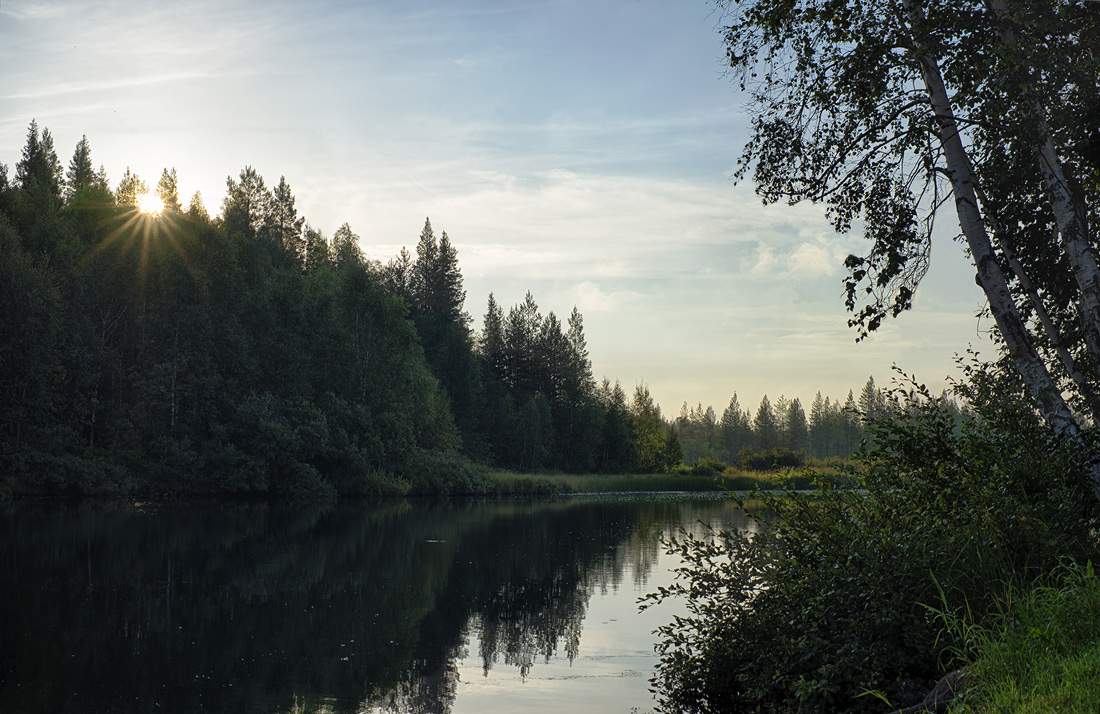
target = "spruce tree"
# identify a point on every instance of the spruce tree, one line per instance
(735, 428)
(425, 281)
(765, 427)
(80, 174)
(798, 431)
(580, 367)
(492, 336)
(38, 173)
(451, 296)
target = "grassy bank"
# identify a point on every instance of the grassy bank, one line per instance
(731, 479)
(1042, 654)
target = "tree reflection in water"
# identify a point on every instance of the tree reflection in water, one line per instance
(324, 608)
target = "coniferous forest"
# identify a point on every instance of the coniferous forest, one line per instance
(162, 349)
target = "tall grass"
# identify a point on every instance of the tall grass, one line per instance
(730, 480)
(1041, 652)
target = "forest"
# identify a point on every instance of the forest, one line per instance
(149, 347)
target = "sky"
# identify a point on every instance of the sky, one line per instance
(582, 150)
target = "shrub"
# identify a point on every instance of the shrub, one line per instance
(708, 467)
(443, 473)
(776, 458)
(823, 601)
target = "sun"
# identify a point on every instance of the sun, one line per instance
(150, 203)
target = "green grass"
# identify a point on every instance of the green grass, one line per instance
(1042, 654)
(507, 482)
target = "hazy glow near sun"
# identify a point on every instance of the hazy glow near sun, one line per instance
(150, 203)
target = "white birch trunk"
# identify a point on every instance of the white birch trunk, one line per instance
(990, 278)
(1071, 224)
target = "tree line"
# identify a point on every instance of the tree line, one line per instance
(247, 352)
(783, 433)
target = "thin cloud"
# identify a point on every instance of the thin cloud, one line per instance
(592, 298)
(94, 87)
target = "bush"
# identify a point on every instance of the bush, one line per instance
(443, 473)
(771, 459)
(823, 601)
(708, 467)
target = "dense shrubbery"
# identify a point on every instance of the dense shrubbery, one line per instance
(826, 599)
(775, 458)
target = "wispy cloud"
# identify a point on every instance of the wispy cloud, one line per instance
(92, 87)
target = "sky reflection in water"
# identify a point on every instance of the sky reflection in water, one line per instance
(410, 607)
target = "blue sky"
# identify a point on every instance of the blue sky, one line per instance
(581, 150)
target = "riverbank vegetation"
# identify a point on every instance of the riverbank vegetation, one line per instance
(888, 113)
(1039, 650)
(840, 584)
(681, 479)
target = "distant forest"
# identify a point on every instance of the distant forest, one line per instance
(172, 351)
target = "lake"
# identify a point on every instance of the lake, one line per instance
(399, 606)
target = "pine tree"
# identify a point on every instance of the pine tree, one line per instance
(451, 296)
(168, 192)
(765, 427)
(735, 429)
(780, 410)
(551, 359)
(425, 279)
(80, 174)
(819, 435)
(196, 210)
(580, 368)
(492, 336)
(798, 431)
(851, 428)
(397, 275)
(130, 189)
(38, 173)
(318, 254)
(246, 204)
(618, 452)
(521, 330)
(283, 225)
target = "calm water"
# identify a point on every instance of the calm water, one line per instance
(393, 607)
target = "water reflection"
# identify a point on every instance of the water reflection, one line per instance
(321, 608)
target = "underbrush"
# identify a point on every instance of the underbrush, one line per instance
(1040, 650)
(826, 600)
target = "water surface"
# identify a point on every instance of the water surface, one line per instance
(344, 607)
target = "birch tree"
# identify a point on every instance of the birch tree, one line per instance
(888, 111)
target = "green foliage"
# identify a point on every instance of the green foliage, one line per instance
(439, 473)
(1040, 651)
(31, 332)
(766, 460)
(707, 466)
(834, 582)
(172, 354)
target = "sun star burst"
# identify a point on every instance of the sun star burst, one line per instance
(150, 203)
